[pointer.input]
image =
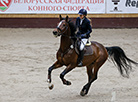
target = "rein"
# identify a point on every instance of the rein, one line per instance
(69, 36)
(62, 34)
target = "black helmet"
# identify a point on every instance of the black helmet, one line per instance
(82, 12)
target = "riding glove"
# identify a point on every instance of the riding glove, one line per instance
(83, 35)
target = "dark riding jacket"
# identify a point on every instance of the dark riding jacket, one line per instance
(84, 29)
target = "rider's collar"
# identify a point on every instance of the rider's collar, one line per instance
(81, 20)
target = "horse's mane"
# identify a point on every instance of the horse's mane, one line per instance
(72, 27)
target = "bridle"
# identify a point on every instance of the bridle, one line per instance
(62, 32)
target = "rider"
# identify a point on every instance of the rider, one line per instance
(84, 30)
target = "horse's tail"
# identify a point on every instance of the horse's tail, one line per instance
(119, 58)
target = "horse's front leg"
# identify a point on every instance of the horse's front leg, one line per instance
(69, 68)
(54, 66)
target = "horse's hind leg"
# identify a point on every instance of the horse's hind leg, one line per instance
(54, 66)
(87, 86)
(92, 74)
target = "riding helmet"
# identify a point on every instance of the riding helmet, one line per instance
(82, 12)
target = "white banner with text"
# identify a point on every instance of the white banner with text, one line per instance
(67, 6)
(51, 6)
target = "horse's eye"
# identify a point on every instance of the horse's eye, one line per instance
(64, 25)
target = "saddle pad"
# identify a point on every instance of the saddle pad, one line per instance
(88, 43)
(88, 50)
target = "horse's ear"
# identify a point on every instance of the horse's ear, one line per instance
(60, 17)
(67, 18)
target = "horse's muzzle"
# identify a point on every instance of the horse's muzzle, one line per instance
(55, 32)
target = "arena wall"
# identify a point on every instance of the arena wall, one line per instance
(51, 20)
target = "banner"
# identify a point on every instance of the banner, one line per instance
(122, 6)
(51, 6)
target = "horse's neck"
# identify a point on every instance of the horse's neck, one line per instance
(65, 43)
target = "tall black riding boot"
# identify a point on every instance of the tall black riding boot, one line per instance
(80, 58)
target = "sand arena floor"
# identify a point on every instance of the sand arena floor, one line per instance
(26, 54)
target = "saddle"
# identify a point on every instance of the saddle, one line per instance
(87, 49)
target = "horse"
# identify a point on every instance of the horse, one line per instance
(67, 56)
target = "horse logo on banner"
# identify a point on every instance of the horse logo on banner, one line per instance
(4, 5)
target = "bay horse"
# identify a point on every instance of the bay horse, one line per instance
(68, 57)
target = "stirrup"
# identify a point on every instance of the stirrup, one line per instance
(80, 64)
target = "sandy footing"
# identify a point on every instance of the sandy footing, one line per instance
(26, 55)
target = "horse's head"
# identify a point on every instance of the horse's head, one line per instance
(62, 27)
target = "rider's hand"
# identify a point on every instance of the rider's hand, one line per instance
(78, 33)
(83, 35)
(79, 36)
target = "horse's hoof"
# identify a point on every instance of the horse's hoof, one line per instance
(67, 83)
(83, 93)
(51, 86)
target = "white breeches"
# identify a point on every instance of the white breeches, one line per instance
(83, 43)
